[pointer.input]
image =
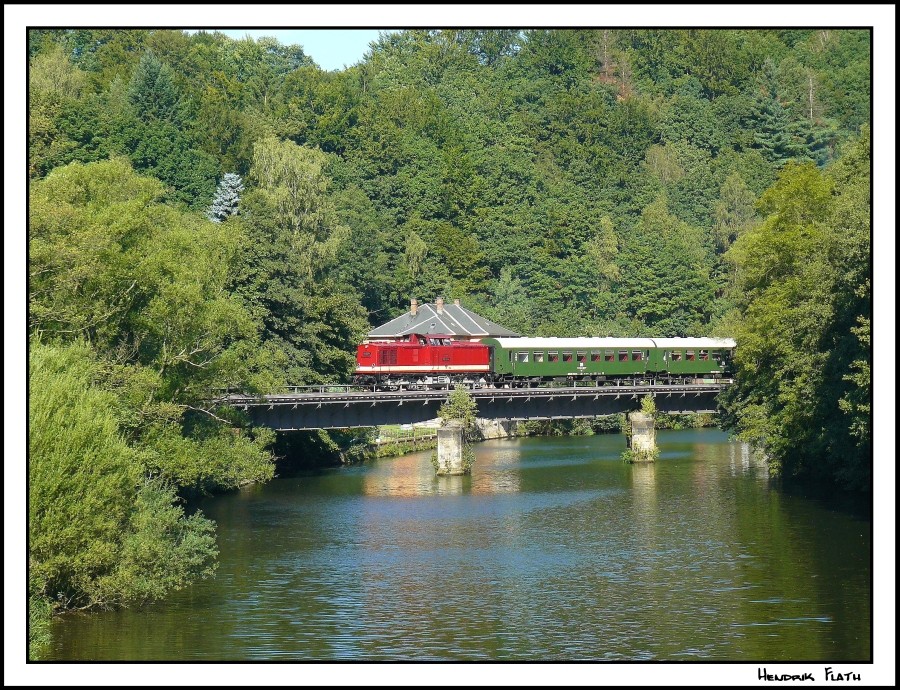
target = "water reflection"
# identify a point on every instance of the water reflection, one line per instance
(496, 472)
(643, 481)
(405, 476)
(553, 549)
(742, 461)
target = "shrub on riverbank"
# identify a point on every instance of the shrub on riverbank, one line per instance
(39, 616)
(690, 420)
(571, 427)
(397, 448)
(103, 531)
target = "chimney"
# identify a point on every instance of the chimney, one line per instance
(456, 301)
(439, 303)
(413, 306)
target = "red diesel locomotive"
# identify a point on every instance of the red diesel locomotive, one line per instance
(422, 361)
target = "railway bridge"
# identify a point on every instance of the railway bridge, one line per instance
(346, 407)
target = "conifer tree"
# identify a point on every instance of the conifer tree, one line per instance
(228, 196)
(152, 90)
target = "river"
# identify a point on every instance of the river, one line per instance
(553, 549)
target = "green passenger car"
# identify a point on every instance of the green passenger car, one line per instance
(526, 361)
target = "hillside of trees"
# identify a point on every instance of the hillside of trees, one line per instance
(210, 213)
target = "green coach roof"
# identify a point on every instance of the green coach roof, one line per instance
(612, 343)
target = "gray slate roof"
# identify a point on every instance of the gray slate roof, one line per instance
(455, 320)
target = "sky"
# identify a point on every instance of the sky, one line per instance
(332, 49)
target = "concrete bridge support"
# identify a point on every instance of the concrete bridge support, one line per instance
(642, 439)
(450, 450)
(495, 428)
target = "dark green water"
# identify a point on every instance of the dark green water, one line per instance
(552, 550)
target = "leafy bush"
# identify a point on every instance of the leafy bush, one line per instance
(101, 531)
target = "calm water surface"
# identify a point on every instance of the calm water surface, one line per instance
(552, 550)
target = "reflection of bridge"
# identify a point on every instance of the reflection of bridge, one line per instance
(346, 408)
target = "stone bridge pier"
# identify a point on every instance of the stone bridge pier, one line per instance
(642, 439)
(450, 449)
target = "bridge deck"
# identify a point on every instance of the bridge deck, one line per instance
(351, 409)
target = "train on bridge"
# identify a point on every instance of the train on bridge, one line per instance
(428, 361)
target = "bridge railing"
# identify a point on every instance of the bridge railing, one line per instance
(327, 388)
(225, 393)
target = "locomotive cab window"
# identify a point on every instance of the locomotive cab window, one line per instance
(552, 356)
(538, 356)
(567, 356)
(595, 356)
(676, 356)
(609, 356)
(522, 357)
(689, 355)
(623, 355)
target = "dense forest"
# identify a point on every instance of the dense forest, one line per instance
(209, 213)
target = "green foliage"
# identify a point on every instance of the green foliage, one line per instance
(630, 455)
(213, 457)
(40, 611)
(116, 426)
(460, 407)
(648, 405)
(54, 86)
(290, 278)
(665, 275)
(101, 532)
(162, 551)
(616, 423)
(107, 264)
(468, 459)
(734, 212)
(690, 420)
(291, 179)
(802, 284)
(398, 448)
(152, 91)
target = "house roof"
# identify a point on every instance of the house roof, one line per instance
(453, 320)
